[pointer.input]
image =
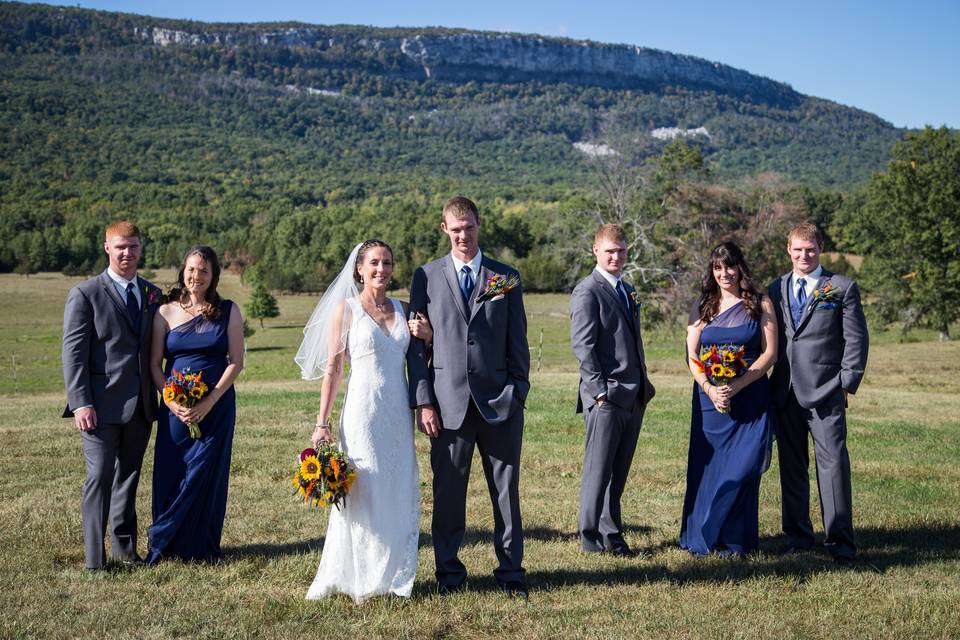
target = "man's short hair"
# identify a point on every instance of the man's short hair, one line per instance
(122, 228)
(460, 207)
(806, 231)
(613, 232)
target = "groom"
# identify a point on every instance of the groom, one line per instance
(823, 353)
(470, 390)
(614, 389)
(106, 360)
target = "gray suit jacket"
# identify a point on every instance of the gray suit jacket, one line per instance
(479, 352)
(607, 342)
(827, 350)
(105, 363)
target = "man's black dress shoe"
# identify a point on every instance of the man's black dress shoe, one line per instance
(622, 551)
(131, 563)
(843, 561)
(444, 590)
(792, 549)
(515, 589)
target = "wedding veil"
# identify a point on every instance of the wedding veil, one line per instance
(319, 343)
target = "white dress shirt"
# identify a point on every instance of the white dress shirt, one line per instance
(609, 277)
(809, 281)
(122, 283)
(474, 265)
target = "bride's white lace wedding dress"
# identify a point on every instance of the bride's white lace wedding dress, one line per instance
(371, 543)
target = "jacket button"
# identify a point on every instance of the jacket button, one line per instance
(469, 370)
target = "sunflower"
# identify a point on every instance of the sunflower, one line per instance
(310, 468)
(181, 399)
(716, 369)
(728, 372)
(168, 394)
(728, 356)
(196, 392)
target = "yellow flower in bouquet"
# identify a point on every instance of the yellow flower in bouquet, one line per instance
(310, 468)
(324, 476)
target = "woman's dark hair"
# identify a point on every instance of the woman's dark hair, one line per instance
(368, 244)
(727, 254)
(211, 306)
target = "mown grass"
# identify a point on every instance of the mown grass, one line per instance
(904, 440)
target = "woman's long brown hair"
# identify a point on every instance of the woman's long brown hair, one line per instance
(727, 254)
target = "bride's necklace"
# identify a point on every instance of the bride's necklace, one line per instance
(380, 306)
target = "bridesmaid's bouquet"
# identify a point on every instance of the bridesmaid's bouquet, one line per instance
(324, 476)
(186, 389)
(721, 363)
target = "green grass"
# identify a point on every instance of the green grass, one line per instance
(903, 437)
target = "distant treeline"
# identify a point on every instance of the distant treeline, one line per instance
(227, 145)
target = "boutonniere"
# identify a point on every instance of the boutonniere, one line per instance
(152, 296)
(498, 286)
(828, 293)
(636, 299)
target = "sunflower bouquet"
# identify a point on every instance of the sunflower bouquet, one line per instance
(186, 389)
(721, 363)
(324, 476)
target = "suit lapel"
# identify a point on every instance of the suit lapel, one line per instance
(113, 294)
(144, 296)
(450, 275)
(812, 302)
(479, 286)
(614, 298)
(785, 304)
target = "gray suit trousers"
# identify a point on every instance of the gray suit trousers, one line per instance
(611, 440)
(114, 454)
(451, 453)
(828, 426)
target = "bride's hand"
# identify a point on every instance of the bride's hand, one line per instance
(320, 434)
(420, 328)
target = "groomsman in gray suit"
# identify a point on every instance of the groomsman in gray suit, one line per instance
(822, 356)
(106, 360)
(469, 390)
(614, 389)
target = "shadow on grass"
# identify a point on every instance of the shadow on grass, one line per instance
(881, 548)
(265, 348)
(267, 550)
(540, 534)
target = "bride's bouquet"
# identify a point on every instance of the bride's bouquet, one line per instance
(324, 476)
(721, 363)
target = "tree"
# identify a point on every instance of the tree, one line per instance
(262, 305)
(910, 232)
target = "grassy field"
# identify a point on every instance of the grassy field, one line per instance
(904, 440)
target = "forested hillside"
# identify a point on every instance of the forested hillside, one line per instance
(284, 144)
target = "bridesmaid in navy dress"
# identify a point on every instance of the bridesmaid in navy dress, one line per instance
(731, 426)
(198, 330)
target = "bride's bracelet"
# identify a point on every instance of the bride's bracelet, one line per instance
(322, 426)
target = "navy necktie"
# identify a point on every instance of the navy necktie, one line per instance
(466, 284)
(801, 300)
(133, 309)
(623, 296)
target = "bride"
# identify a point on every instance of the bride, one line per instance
(371, 542)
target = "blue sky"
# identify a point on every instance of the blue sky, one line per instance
(900, 60)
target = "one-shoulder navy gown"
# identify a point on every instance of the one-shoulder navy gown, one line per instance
(728, 451)
(190, 476)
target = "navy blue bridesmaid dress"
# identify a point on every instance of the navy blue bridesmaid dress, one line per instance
(190, 476)
(728, 451)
